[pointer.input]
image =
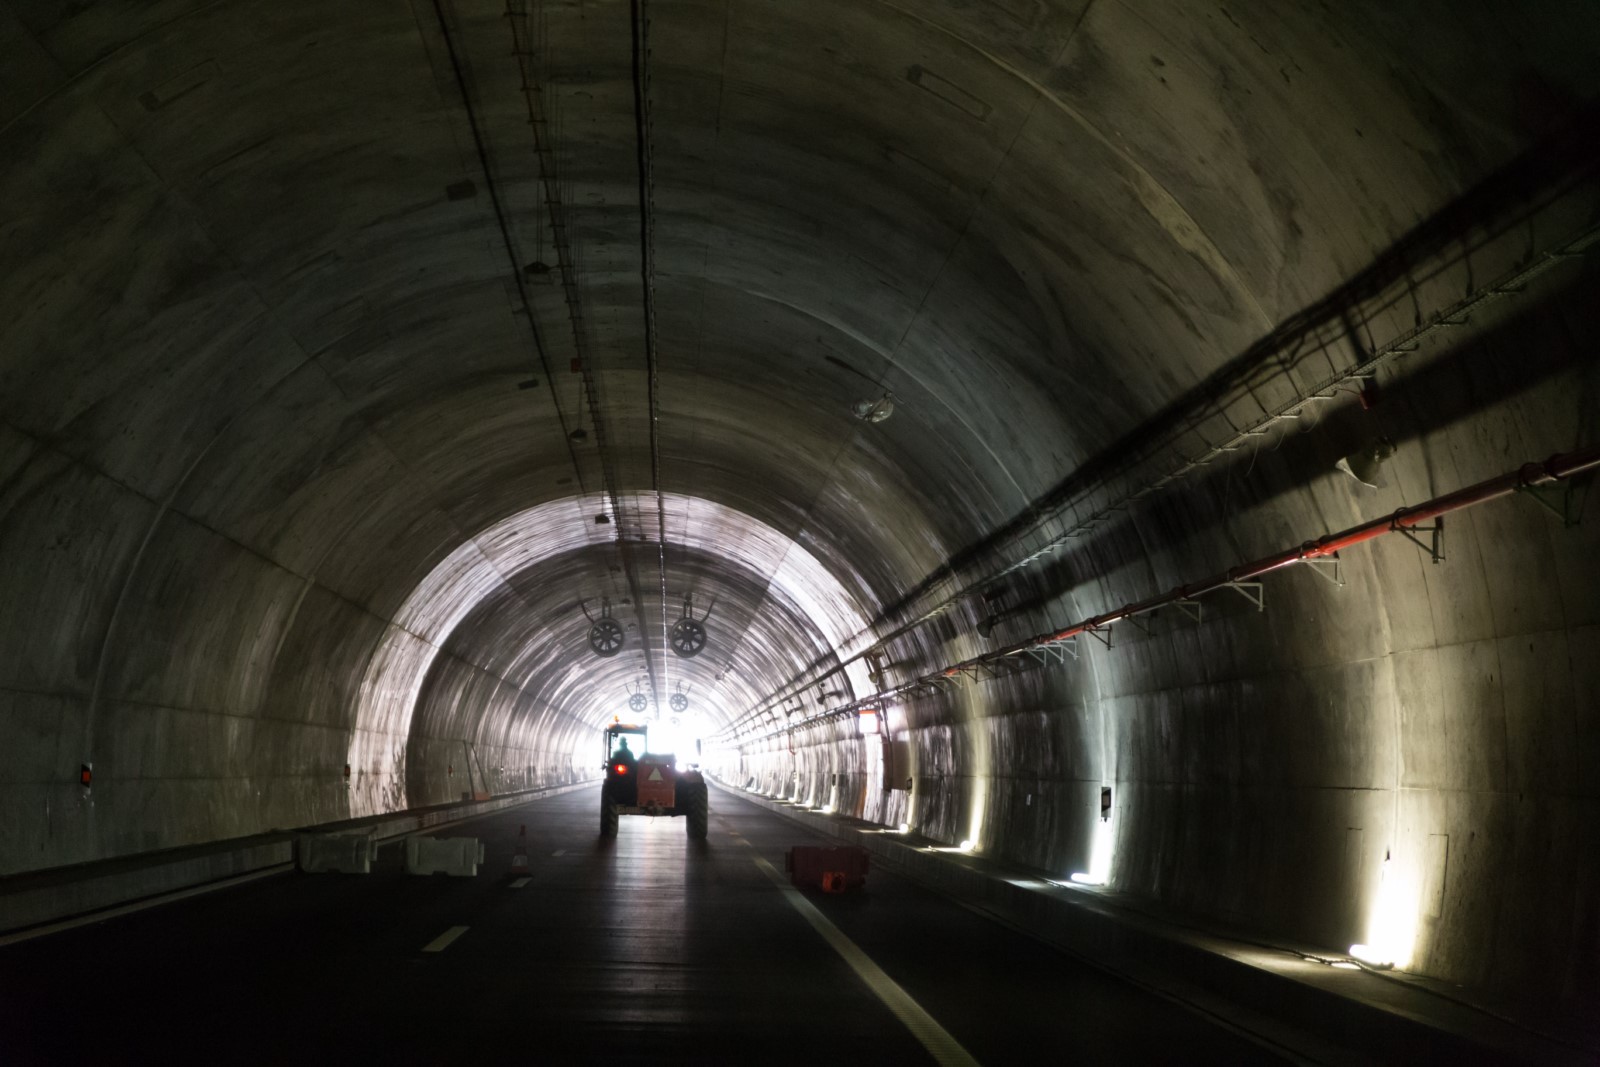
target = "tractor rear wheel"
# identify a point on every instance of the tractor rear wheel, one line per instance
(697, 807)
(608, 813)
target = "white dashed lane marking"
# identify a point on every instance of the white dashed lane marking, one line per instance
(444, 940)
(520, 882)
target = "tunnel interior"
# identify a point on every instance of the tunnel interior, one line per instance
(355, 359)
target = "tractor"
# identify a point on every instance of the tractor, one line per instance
(639, 782)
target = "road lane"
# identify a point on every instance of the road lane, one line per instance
(644, 948)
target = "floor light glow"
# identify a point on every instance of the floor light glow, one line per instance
(1099, 872)
(1371, 956)
(1392, 929)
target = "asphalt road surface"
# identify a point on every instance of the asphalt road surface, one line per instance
(648, 948)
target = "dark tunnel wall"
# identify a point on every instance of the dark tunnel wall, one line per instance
(277, 371)
(1264, 763)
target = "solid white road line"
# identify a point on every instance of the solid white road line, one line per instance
(444, 940)
(153, 902)
(936, 1039)
(559, 852)
(520, 882)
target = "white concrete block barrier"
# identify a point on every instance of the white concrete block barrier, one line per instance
(37, 903)
(336, 853)
(457, 856)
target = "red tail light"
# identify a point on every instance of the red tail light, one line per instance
(621, 768)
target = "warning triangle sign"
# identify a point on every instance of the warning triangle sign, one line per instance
(655, 775)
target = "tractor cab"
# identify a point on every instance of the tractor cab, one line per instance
(625, 738)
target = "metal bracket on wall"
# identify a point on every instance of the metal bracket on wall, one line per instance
(1328, 567)
(1434, 547)
(1101, 634)
(1054, 651)
(1192, 608)
(1565, 501)
(1254, 592)
(1142, 625)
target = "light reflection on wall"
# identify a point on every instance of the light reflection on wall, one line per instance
(1392, 920)
(982, 770)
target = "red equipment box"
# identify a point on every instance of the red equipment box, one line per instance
(833, 870)
(656, 784)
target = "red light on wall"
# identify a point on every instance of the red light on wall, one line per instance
(86, 775)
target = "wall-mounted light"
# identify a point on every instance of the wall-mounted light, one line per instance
(874, 410)
(1366, 464)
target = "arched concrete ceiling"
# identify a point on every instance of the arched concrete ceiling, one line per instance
(270, 306)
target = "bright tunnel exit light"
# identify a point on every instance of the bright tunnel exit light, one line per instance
(681, 735)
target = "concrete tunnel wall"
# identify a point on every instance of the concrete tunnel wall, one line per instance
(259, 361)
(1264, 764)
